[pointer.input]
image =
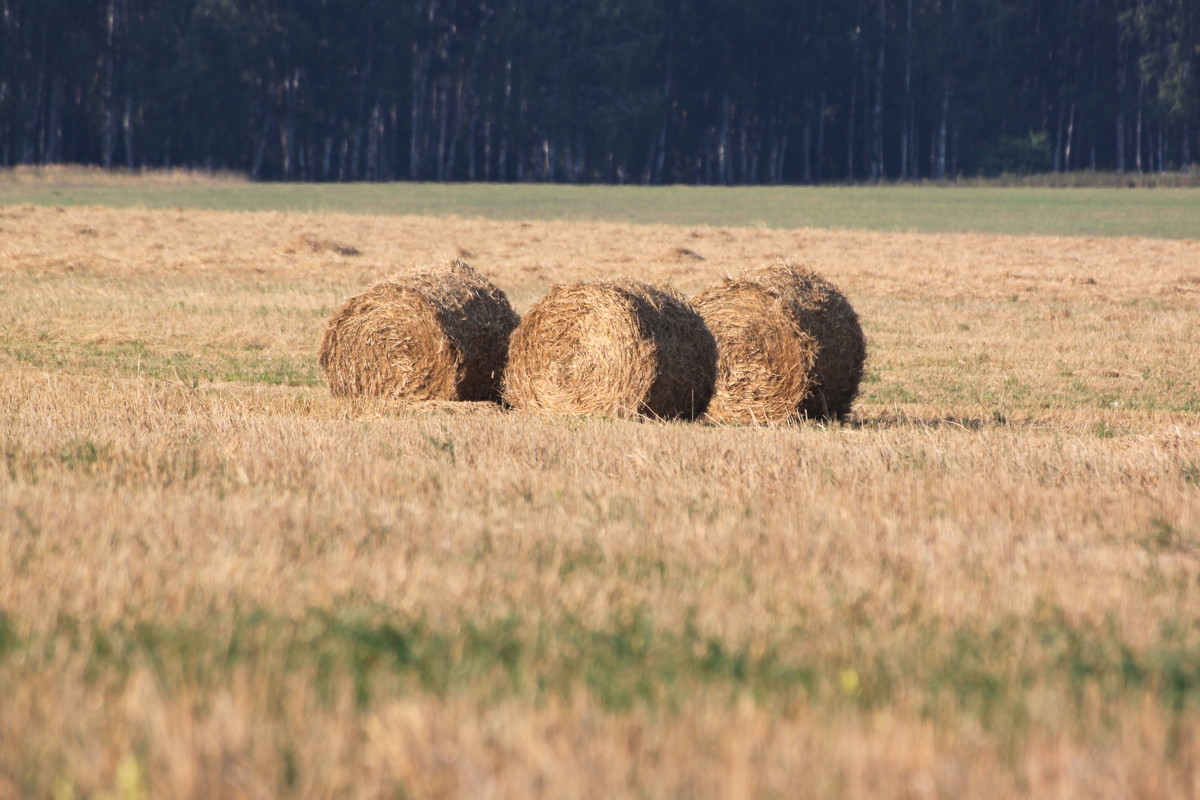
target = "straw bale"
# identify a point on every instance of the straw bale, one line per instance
(620, 348)
(765, 358)
(798, 322)
(431, 333)
(829, 318)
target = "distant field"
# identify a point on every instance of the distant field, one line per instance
(218, 581)
(1162, 212)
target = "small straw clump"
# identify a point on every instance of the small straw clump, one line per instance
(790, 346)
(315, 244)
(431, 333)
(620, 348)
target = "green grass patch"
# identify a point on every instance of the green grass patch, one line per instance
(1191, 474)
(246, 365)
(1091, 211)
(82, 454)
(181, 461)
(631, 662)
(889, 392)
(1166, 537)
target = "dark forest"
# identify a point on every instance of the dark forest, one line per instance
(621, 91)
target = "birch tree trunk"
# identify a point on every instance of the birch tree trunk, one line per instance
(108, 144)
(876, 174)
(906, 119)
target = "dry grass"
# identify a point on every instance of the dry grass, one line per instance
(73, 175)
(620, 348)
(215, 579)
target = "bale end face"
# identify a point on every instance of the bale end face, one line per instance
(433, 333)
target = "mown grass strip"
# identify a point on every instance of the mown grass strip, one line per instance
(1091, 211)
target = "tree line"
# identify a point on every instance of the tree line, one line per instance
(625, 91)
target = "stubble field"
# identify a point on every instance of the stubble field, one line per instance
(216, 580)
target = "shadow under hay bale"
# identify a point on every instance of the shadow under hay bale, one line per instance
(774, 320)
(620, 348)
(432, 333)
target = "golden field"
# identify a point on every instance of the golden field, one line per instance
(218, 581)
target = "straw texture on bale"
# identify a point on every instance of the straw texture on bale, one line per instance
(431, 333)
(765, 358)
(620, 348)
(795, 321)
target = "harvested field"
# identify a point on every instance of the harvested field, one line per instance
(217, 579)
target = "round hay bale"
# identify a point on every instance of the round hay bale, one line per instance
(797, 317)
(430, 333)
(764, 356)
(829, 318)
(620, 348)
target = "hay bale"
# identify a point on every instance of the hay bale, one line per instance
(765, 358)
(829, 318)
(620, 348)
(431, 333)
(795, 312)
